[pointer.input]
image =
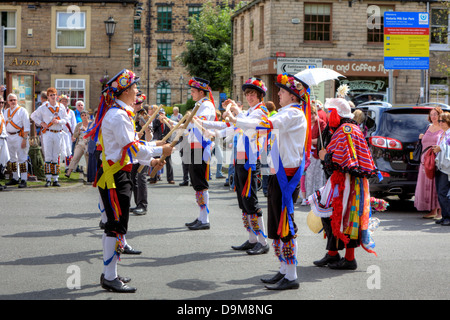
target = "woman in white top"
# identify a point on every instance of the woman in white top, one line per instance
(442, 151)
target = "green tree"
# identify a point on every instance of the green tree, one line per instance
(209, 55)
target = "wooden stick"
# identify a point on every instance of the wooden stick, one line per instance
(167, 123)
(167, 136)
(150, 120)
(175, 141)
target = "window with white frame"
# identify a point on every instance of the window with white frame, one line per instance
(440, 25)
(8, 20)
(70, 30)
(74, 88)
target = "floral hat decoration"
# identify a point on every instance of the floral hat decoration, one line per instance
(292, 84)
(199, 83)
(122, 81)
(62, 97)
(140, 98)
(255, 83)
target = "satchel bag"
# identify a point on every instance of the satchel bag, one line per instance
(429, 163)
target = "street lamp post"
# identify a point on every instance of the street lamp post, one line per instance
(181, 88)
(110, 26)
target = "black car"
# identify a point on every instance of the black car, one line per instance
(392, 135)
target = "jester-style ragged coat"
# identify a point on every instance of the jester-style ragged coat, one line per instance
(346, 198)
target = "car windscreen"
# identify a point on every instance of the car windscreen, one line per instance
(403, 124)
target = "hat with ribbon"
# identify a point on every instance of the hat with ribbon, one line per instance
(256, 84)
(293, 85)
(199, 83)
(62, 97)
(121, 81)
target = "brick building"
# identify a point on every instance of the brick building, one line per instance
(273, 36)
(161, 33)
(65, 45)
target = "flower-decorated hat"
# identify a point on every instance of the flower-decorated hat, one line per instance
(140, 98)
(122, 81)
(62, 97)
(199, 83)
(292, 84)
(256, 84)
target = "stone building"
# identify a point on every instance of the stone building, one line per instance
(274, 36)
(161, 33)
(65, 45)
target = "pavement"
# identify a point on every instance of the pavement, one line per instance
(51, 250)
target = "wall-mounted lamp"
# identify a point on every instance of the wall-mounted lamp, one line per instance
(349, 54)
(110, 26)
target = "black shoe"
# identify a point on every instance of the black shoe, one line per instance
(285, 284)
(48, 183)
(274, 279)
(102, 225)
(327, 259)
(123, 279)
(226, 184)
(189, 224)
(245, 246)
(343, 264)
(132, 209)
(2, 187)
(199, 226)
(259, 249)
(12, 182)
(439, 221)
(22, 184)
(140, 211)
(184, 183)
(130, 250)
(117, 286)
(56, 184)
(445, 222)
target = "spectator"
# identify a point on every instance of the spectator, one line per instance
(176, 116)
(79, 106)
(4, 152)
(442, 151)
(81, 144)
(426, 197)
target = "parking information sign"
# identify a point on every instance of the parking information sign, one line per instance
(406, 40)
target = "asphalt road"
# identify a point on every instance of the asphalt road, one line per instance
(51, 249)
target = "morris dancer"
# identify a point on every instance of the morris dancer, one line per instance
(52, 118)
(17, 127)
(115, 130)
(344, 202)
(200, 152)
(289, 131)
(4, 152)
(247, 165)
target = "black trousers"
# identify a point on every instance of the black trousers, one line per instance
(197, 170)
(250, 204)
(333, 243)
(124, 186)
(139, 181)
(274, 203)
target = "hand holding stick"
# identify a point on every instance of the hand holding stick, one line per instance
(183, 127)
(150, 120)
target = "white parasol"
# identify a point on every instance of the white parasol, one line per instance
(314, 76)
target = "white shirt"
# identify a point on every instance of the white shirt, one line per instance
(207, 112)
(443, 156)
(254, 113)
(71, 121)
(43, 114)
(20, 118)
(118, 131)
(289, 128)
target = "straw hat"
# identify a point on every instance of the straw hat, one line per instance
(314, 222)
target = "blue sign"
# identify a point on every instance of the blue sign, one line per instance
(406, 40)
